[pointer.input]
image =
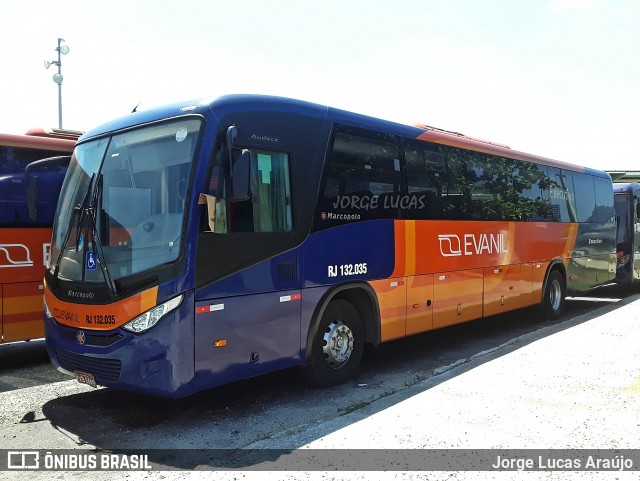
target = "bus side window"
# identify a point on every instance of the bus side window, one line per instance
(586, 205)
(271, 192)
(530, 183)
(363, 177)
(604, 201)
(562, 195)
(269, 207)
(456, 194)
(425, 175)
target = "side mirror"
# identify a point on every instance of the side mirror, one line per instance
(239, 168)
(232, 133)
(240, 175)
(31, 180)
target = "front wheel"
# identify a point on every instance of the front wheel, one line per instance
(337, 345)
(554, 294)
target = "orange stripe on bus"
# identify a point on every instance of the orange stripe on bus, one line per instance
(410, 239)
(100, 316)
(400, 249)
(441, 246)
(392, 299)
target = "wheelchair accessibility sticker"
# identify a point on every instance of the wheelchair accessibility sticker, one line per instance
(91, 262)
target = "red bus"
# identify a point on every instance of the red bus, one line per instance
(32, 167)
(205, 242)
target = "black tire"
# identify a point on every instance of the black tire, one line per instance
(554, 295)
(337, 345)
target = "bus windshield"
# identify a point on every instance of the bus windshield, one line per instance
(123, 202)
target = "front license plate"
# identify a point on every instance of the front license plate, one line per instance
(85, 378)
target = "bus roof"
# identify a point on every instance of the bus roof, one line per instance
(625, 187)
(54, 133)
(40, 138)
(245, 102)
(627, 176)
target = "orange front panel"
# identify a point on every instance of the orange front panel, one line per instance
(22, 312)
(100, 316)
(419, 304)
(457, 297)
(392, 299)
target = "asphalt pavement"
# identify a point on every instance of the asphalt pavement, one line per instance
(566, 396)
(558, 399)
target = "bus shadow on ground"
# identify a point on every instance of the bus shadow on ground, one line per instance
(238, 425)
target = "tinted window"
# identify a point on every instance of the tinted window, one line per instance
(462, 184)
(443, 182)
(531, 186)
(488, 186)
(457, 193)
(363, 179)
(604, 200)
(623, 212)
(14, 186)
(426, 179)
(15, 159)
(562, 195)
(585, 198)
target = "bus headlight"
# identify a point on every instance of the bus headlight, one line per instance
(150, 318)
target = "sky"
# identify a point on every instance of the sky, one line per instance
(556, 78)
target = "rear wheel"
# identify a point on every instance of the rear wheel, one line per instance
(337, 345)
(554, 294)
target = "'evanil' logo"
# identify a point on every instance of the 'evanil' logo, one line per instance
(452, 245)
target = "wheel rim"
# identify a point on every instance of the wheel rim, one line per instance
(555, 295)
(337, 344)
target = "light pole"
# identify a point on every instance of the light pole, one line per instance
(57, 77)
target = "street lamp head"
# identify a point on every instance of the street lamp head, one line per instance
(63, 49)
(57, 78)
(47, 64)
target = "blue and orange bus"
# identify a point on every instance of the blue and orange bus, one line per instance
(32, 168)
(207, 242)
(627, 207)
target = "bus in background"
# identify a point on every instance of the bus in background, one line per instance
(269, 232)
(627, 207)
(32, 168)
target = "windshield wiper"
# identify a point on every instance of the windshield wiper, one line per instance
(76, 219)
(92, 213)
(94, 192)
